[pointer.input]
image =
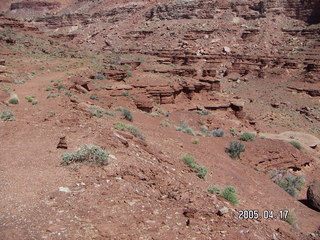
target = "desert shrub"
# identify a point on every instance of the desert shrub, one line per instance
(87, 153)
(195, 141)
(288, 182)
(125, 94)
(201, 171)
(248, 137)
(133, 130)
(217, 133)
(201, 123)
(29, 98)
(127, 115)
(296, 144)
(290, 218)
(203, 112)
(229, 193)
(233, 132)
(110, 113)
(34, 102)
(13, 99)
(7, 116)
(99, 76)
(96, 111)
(94, 97)
(129, 74)
(235, 148)
(184, 127)
(214, 190)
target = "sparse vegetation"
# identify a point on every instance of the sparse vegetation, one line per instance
(125, 94)
(97, 111)
(228, 192)
(7, 116)
(201, 171)
(87, 153)
(296, 144)
(217, 133)
(290, 218)
(110, 113)
(291, 184)
(235, 148)
(133, 130)
(184, 127)
(195, 141)
(203, 112)
(233, 132)
(247, 137)
(94, 97)
(14, 99)
(127, 115)
(99, 76)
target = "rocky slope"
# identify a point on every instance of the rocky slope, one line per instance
(239, 66)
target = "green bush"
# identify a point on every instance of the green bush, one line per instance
(7, 116)
(217, 133)
(214, 190)
(234, 149)
(229, 193)
(290, 218)
(133, 130)
(203, 112)
(96, 111)
(87, 153)
(14, 100)
(248, 137)
(29, 98)
(195, 141)
(296, 144)
(201, 171)
(289, 183)
(233, 132)
(184, 127)
(127, 115)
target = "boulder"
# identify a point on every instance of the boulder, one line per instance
(313, 194)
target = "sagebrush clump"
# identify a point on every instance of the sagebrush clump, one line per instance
(235, 148)
(296, 144)
(87, 153)
(7, 116)
(248, 137)
(291, 184)
(133, 130)
(217, 133)
(201, 171)
(228, 192)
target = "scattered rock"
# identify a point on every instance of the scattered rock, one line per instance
(64, 189)
(223, 211)
(226, 49)
(62, 143)
(122, 139)
(313, 194)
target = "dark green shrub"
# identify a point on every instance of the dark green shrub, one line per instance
(7, 116)
(296, 144)
(229, 193)
(201, 171)
(235, 148)
(233, 132)
(248, 137)
(14, 100)
(214, 190)
(87, 153)
(133, 130)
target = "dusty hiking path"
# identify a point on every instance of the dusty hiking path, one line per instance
(114, 201)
